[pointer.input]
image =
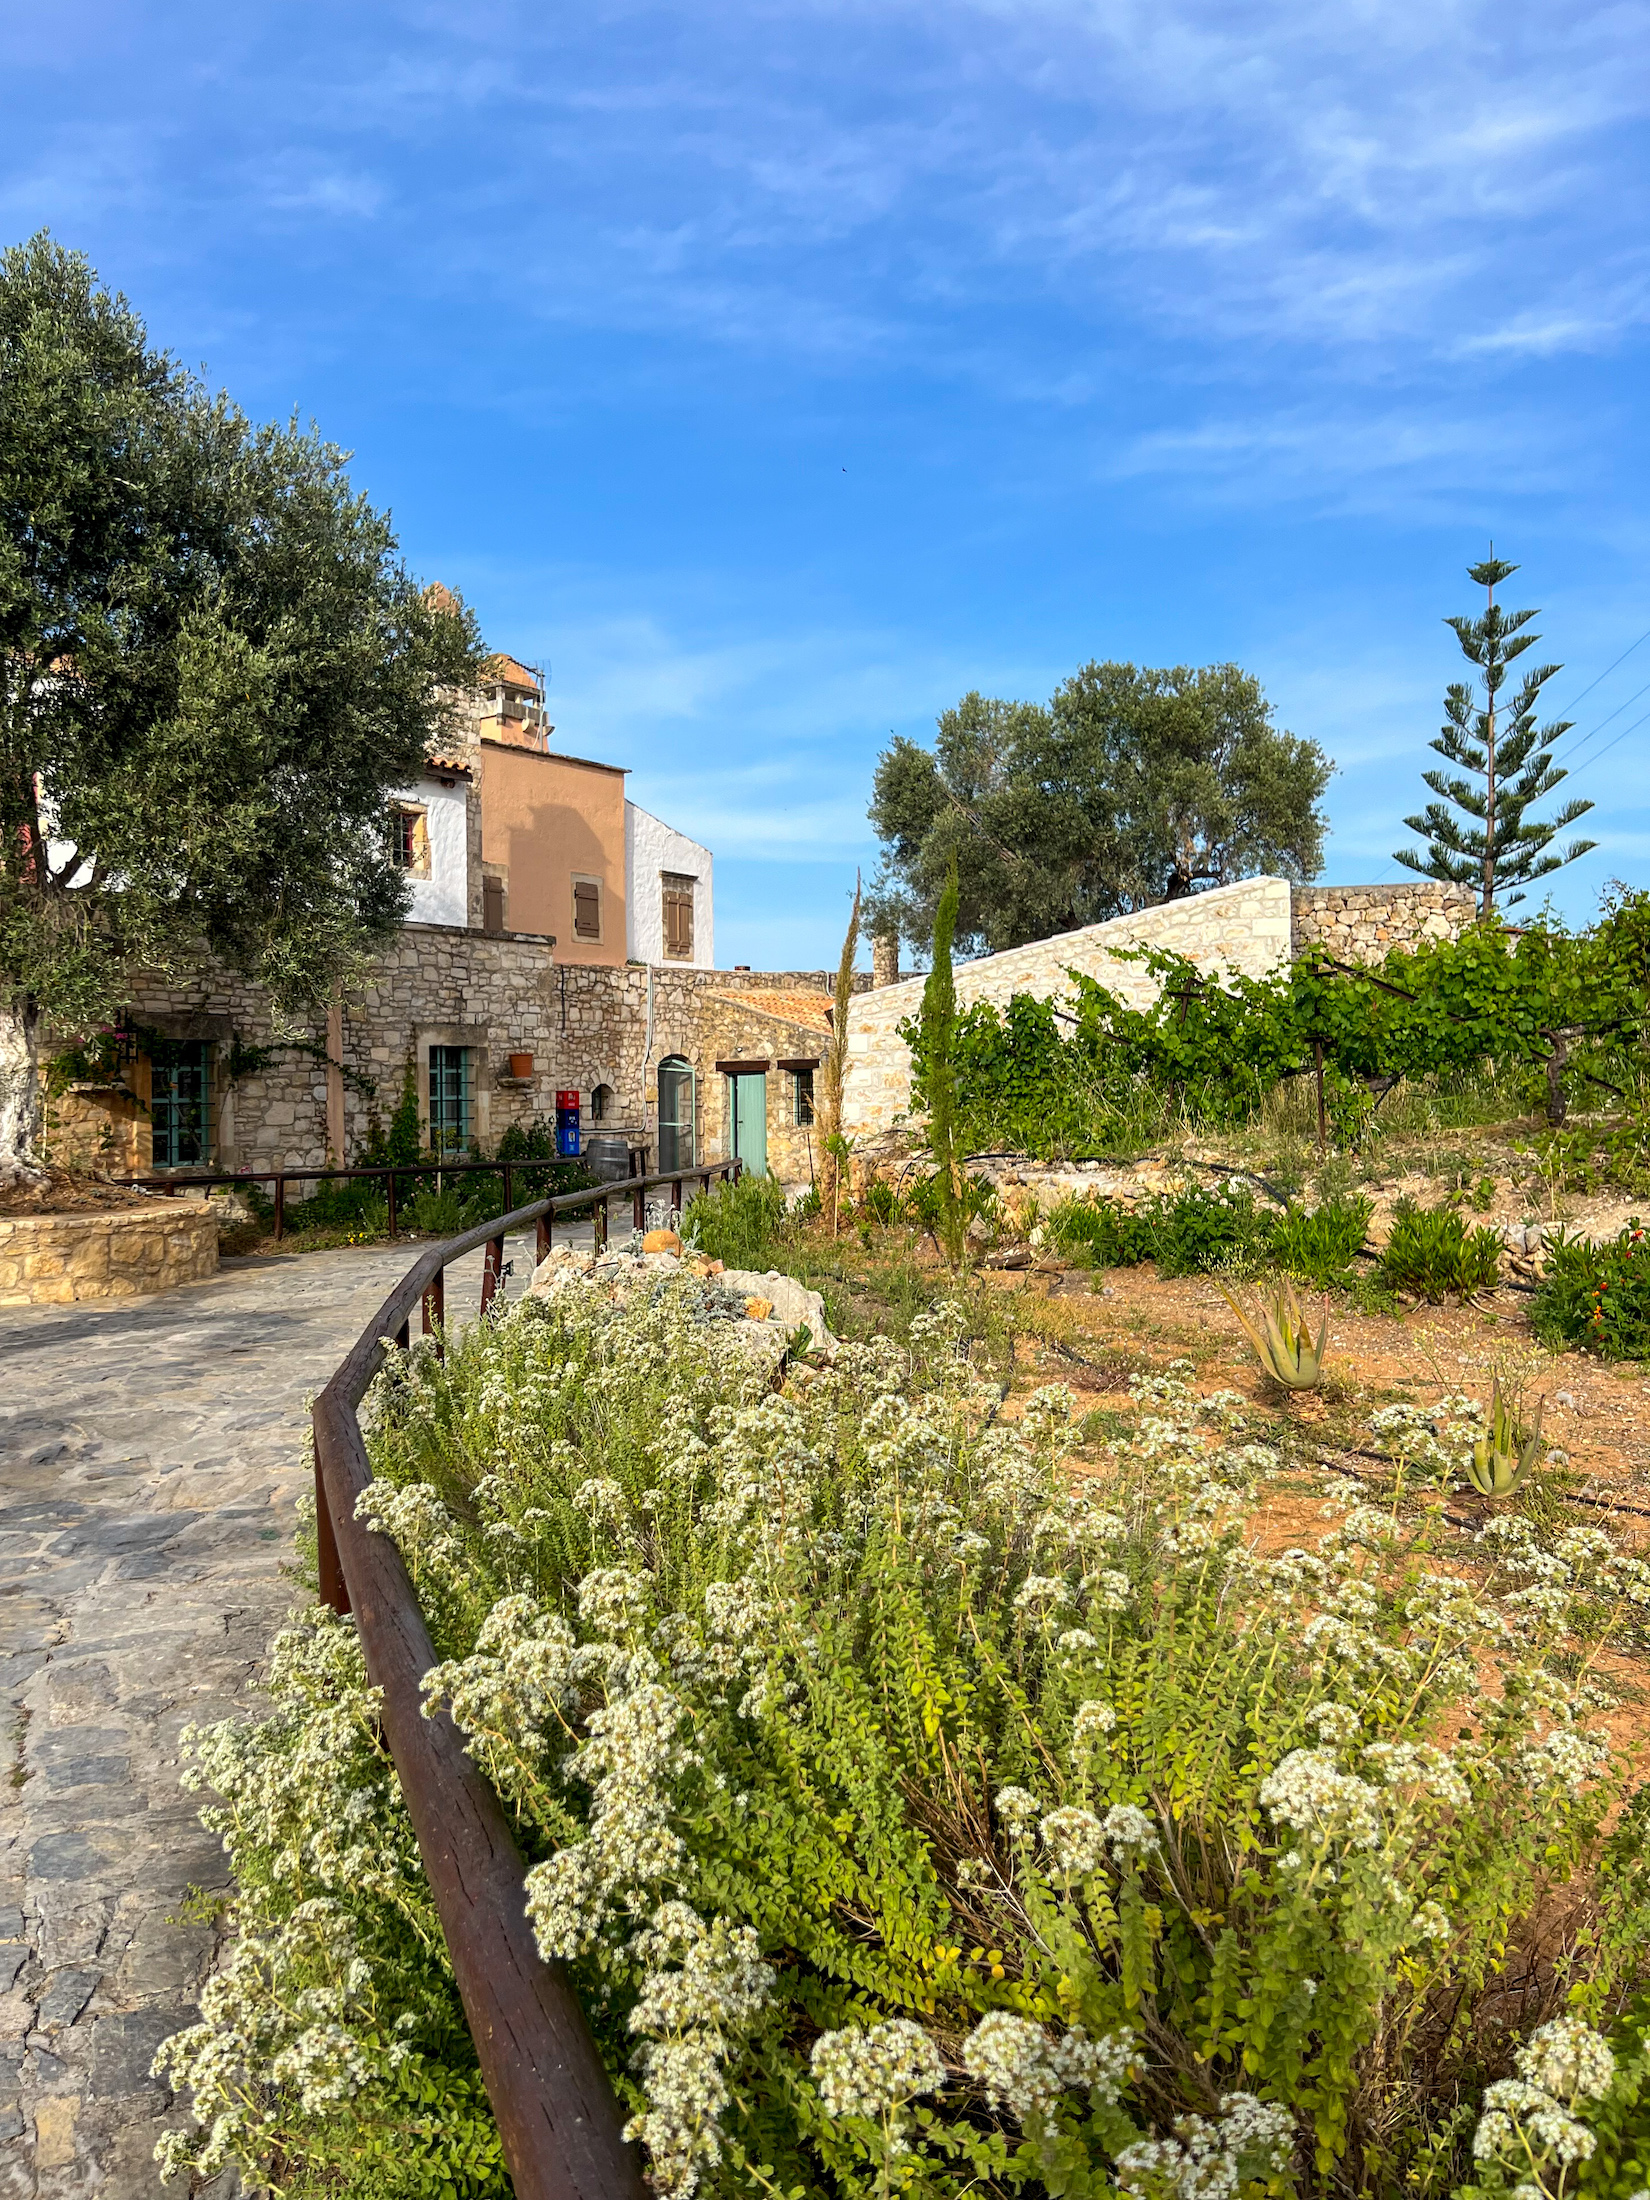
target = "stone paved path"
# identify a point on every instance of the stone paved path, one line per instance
(151, 1451)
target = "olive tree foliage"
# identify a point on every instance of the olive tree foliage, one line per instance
(1131, 786)
(213, 670)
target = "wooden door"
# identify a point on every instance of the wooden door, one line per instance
(748, 1120)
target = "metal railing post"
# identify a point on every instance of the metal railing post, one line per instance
(391, 1178)
(280, 1208)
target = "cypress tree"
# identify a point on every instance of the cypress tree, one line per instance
(939, 1025)
(1505, 764)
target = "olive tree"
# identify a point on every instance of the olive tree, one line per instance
(1131, 786)
(214, 668)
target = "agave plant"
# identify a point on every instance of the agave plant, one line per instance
(1499, 1462)
(1281, 1338)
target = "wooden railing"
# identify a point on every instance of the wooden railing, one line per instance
(558, 2119)
(387, 1173)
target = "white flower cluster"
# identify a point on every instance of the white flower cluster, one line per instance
(1024, 2070)
(1565, 1758)
(1208, 2161)
(704, 1988)
(1074, 1840)
(1093, 1721)
(632, 1759)
(1309, 1793)
(418, 1523)
(875, 2071)
(1563, 2064)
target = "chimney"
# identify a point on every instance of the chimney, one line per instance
(885, 959)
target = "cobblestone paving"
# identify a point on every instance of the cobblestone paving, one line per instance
(151, 1451)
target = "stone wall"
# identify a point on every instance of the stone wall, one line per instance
(496, 995)
(1364, 924)
(1242, 928)
(51, 1260)
(621, 1024)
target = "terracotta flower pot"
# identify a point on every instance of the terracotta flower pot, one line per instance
(521, 1065)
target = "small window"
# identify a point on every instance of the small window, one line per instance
(803, 1094)
(601, 1103)
(410, 839)
(677, 896)
(449, 1101)
(587, 909)
(492, 905)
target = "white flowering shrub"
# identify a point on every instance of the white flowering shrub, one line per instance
(912, 1812)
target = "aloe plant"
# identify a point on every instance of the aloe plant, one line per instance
(1281, 1338)
(1499, 1462)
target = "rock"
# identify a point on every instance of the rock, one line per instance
(789, 1303)
(758, 1310)
(661, 1241)
(1010, 1256)
(700, 1264)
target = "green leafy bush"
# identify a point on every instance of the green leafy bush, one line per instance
(1186, 1232)
(1320, 1245)
(1098, 1233)
(1597, 1295)
(1431, 1251)
(741, 1224)
(912, 1815)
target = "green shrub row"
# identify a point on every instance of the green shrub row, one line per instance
(1042, 1079)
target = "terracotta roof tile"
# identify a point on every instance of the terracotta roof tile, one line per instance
(810, 1011)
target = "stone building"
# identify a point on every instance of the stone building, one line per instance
(492, 1023)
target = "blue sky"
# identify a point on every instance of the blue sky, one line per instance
(776, 372)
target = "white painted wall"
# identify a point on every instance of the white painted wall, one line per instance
(443, 897)
(651, 846)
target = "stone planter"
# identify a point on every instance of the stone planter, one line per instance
(52, 1260)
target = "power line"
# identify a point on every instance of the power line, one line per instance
(1616, 713)
(1609, 745)
(1605, 674)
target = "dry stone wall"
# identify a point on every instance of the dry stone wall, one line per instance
(1364, 924)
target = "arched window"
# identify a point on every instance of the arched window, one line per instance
(601, 1103)
(675, 1114)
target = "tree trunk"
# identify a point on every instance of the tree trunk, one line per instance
(19, 1091)
(1558, 1105)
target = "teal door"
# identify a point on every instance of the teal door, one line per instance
(748, 1116)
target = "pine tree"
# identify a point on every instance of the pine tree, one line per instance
(1506, 767)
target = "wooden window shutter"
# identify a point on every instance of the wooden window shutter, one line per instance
(587, 910)
(677, 895)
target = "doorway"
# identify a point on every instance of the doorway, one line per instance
(675, 1114)
(748, 1120)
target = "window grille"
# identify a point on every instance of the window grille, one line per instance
(803, 1080)
(449, 1101)
(407, 839)
(180, 1103)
